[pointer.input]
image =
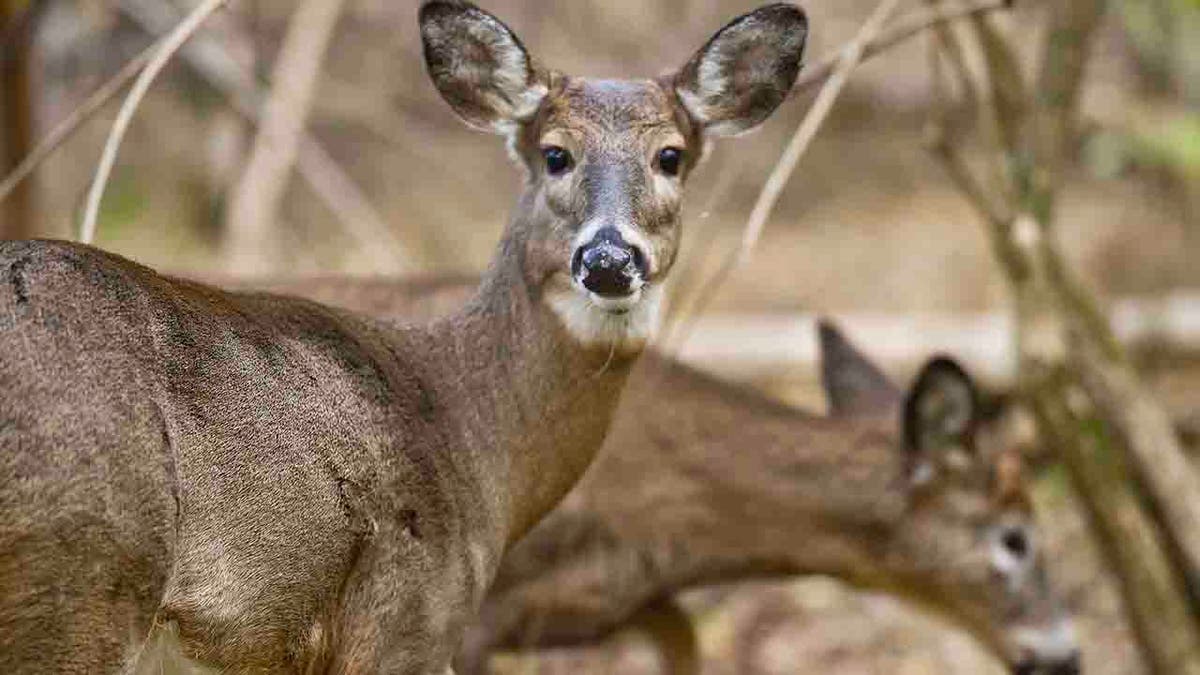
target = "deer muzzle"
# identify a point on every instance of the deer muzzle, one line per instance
(608, 266)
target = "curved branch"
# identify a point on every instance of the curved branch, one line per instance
(170, 44)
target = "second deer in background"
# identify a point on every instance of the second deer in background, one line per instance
(702, 482)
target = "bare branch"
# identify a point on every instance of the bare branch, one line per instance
(1168, 476)
(257, 196)
(1056, 97)
(949, 45)
(852, 55)
(207, 58)
(170, 44)
(906, 27)
(66, 128)
(1009, 94)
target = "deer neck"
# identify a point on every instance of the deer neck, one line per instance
(748, 487)
(531, 404)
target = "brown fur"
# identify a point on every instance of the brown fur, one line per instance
(289, 487)
(702, 482)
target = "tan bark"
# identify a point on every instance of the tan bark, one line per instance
(255, 202)
(17, 213)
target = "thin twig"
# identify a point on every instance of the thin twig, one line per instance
(170, 44)
(64, 129)
(852, 55)
(949, 45)
(905, 28)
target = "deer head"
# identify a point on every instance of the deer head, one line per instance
(606, 160)
(966, 541)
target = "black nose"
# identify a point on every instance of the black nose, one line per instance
(607, 265)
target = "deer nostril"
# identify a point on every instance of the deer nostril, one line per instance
(639, 261)
(577, 262)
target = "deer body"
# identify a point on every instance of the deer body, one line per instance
(290, 488)
(702, 482)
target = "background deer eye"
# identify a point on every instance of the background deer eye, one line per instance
(558, 159)
(669, 160)
(1015, 542)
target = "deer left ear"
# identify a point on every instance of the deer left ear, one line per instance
(745, 71)
(941, 412)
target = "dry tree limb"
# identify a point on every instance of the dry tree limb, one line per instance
(1066, 351)
(851, 56)
(66, 128)
(1148, 438)
(905, 28)
(17, 24)
(170, 44)
(257, 195)
(948, 44)
(328, 181)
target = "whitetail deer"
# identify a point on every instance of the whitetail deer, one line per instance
(703, 482)
(291, 488)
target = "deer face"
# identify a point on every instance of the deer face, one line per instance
(965, 542)
(971, 525)
(606, 160)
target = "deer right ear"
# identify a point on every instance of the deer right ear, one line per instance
(940, 414)
(745, 71)
(479, 66)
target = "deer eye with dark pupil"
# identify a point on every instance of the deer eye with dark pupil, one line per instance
(1016, 543)
(669, 160)
(558, 159)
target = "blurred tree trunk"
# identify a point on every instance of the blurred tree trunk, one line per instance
(254, 205)
(17, 212)
(1090, 407)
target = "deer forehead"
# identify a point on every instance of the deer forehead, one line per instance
(612, 114)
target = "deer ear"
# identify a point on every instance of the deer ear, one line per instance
(853, 385)
(745, 71)
(940, 413)
(479, 66)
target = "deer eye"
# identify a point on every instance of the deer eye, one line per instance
(557, 159)
(669, 160)
(1015, 542)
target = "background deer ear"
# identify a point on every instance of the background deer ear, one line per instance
(853, 385)
(479, 66)
(940, 413)
(745, 71)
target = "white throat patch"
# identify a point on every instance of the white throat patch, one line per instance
(593, 321)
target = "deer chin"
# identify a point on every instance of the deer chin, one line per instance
(624, 324)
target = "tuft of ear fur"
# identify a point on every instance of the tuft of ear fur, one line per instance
(941, 411)
(853, 385)
(745, 71)
(479, 66)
